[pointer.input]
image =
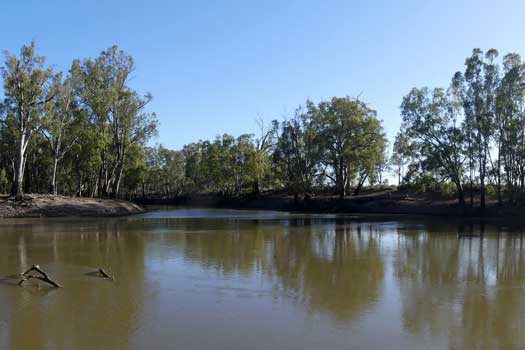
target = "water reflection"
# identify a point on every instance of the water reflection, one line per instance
(469, 291)
(335, 270)
(38, 317)
(184, 279)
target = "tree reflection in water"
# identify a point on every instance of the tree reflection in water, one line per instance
(416, 279)
(331, 268)
(467, 290)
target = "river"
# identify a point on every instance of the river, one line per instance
(226, 279)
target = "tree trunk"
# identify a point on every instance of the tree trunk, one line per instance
(460, 194)
(360, 185)
(118, 178)
(53, 187)
(16, 187)
(482, 191)
(340, 187)
(498, 175)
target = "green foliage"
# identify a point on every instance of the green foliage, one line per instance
(87, 132)
(430, 121)
(473, 134)
(87, 127)
(353, 141)
(27, 89)
(4, 182)
(298, 153)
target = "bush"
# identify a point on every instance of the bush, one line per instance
(4, 182)
(491, 190)
(447, 189)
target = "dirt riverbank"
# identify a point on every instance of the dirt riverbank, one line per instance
(378, 202)
(58, 206)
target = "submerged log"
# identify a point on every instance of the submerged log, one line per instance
(43, 276)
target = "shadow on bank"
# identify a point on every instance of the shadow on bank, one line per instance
(387, 203)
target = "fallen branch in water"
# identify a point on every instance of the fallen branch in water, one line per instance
(51, 282)
(43, 276)
(105, 274)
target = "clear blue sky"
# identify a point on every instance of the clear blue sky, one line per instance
(213, 66)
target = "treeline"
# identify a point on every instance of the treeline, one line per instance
(470, 135)
(81, 133)
(84, 133)
(336, 145)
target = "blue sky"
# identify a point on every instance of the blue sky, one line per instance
(214, 66)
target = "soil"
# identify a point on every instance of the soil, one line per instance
(39, 205)
(372, 202)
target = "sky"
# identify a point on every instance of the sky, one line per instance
(213, 67)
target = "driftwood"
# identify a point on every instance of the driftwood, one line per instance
(105, 274)
(43, 276)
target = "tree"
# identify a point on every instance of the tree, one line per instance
(430, 121)
(368, 154)
(298, 153)
(27, 88)
(348, 129)
(402, 152)
(62, 124)
(265, 143)
(478, 92)
(116, 110)
(510, 121)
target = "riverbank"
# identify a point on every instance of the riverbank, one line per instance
(58, 206)
(378, 202)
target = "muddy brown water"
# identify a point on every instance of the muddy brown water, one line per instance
(224, 279)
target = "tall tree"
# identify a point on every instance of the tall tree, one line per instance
(62, 124)
(27, 88)
(348, 128)
(298, 153)
(402, 153)
(430, 120)
(264, 147)
(510, 127)
(116, 110)
(480, 82)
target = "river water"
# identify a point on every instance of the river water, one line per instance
(224, 279)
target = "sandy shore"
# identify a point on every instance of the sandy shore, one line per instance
(55, 206)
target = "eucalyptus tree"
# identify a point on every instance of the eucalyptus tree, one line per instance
(130, 125)
(298, 152)
(478, 86)
(229, 164)
(367, 154)
(402, 153)
(27, 88)
(265, 144)
(8, 142)
(171, 170)
(349, 131)
(193, 154)
(430, 122)
(510, 126)
(62, 124)
(117, 111)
